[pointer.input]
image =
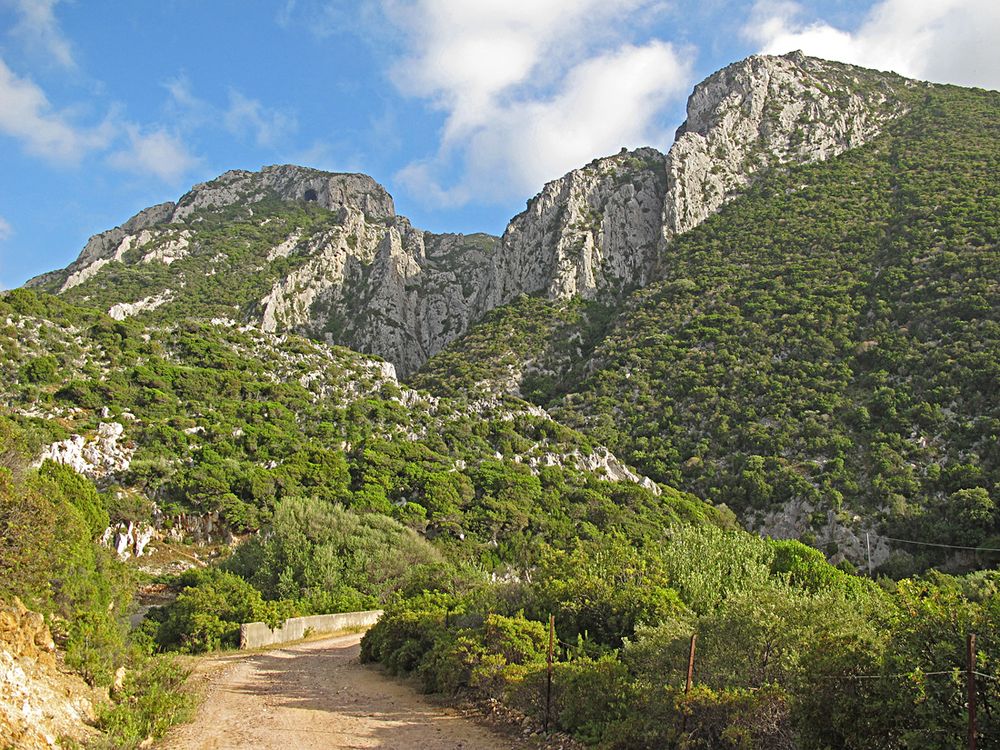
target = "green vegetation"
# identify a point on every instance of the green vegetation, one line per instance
(315, 558)
(149, 702)
(50, 521)
(224, 263)
(831, 339)
(792, 653)
(232, 422)
(541, 345)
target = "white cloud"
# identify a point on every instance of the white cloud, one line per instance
(37, 27)
(949, 41)
(27, 115)
(243, 116)
(529, 90)
(183, 98)
(156, 152)
(6, 230)
(268, 126)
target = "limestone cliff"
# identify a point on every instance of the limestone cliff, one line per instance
(595, 231)
(357, 274)
(41, 706)
(766, 111)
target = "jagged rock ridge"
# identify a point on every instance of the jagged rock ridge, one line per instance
(371, 281)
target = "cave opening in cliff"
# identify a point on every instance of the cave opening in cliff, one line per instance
(310, 196)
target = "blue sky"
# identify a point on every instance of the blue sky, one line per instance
(461, 108)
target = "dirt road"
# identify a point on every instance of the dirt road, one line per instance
(317, 695)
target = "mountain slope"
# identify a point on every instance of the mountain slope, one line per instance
(216, 424)
(289, 249)
(826, 347)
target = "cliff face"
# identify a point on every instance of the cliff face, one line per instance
(361, 276)
(766, 111)
(594, 232)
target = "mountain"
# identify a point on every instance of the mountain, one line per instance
(287, 248)
(753, 316)
(821, 354)
(294, 249)
(791, 320)
(217, 425)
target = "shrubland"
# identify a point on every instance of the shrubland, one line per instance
(790, 652)
(828, 341)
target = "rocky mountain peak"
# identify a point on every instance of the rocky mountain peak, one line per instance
(358, 193)
(592, 232)
(367, 279)
(764, 111)
(290, 183)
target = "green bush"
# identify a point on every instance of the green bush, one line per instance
(209, 610)
(40, 370)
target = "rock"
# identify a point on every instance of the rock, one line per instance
(766, 111)
(106, 246)
(119, 681)
(200, 529)
(127, 309)
(843, 531)
(40, 707)
(128, 539)
(288, 182)
(98, 457)
(597, 232)
(594, 232)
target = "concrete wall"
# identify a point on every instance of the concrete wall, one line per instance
(257, 634)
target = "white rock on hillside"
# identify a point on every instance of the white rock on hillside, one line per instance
(764, 111)
(98, 457)
(128, 539)
(127, 309)
(594, 231)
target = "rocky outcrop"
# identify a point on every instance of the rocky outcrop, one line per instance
(132, 539)
(103, 248)
(98, 457)
(233, 188)
(124, 310)
(602, 229)
(128, 538)
(594, 232)
(196, 528)
(290, 183)
(600, 461)
(843, 535)
(40, 707)
(766, 111)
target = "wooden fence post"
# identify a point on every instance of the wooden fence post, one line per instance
(971, 685)
(690, 680)
(548, 676)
